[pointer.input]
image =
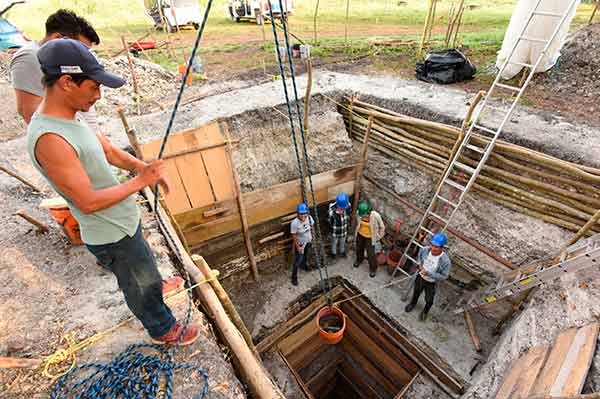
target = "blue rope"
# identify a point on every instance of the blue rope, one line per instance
(134, 374)
(323, 279)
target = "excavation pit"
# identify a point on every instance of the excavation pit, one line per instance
(373, 359)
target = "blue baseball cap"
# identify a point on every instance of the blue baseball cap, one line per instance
(68, 56)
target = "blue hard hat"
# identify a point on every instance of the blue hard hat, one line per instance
(439, 240)
(302, 209)
(342, 201)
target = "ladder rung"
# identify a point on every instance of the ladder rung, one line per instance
(427, 230)
(523, 64)
(464, 167)
(500, 284)
(455, 185)
(495, 108)
(507, 87)
(519, 276)
(411, 259)
(435, 215)
(475, 148)
(485, 129)
(533, 39)
(447, 201)
(548, 14)
(417, 244)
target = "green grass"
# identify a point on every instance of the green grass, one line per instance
(482, 30)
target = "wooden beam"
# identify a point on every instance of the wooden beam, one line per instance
(520, 378)
(271, 237)
(297, 321)
(240, 202)
(473, 332)
(360, 169)
(197, 149)
(130, 132)
(134, 81)
(41, 227)
(261, 206)
(252, 370)
(214, 212)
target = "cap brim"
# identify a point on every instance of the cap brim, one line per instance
(108, 79)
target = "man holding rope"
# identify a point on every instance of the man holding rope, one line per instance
(77, 163)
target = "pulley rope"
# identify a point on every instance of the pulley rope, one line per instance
(324, 282)
(134, 374)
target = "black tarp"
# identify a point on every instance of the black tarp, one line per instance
(446, 66)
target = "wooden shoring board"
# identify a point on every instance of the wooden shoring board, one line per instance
(298, 338)
(304, 316)
(378, 356)
(319, 382)
(352, 349)
(304, 355)
(402, 344)
(197, 167)
(177, 200)
(518, 383)
(261, 205)
(354, 379)
(576, 364)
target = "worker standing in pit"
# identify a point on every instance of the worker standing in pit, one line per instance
(77, 163)
(339, 218)
(370, 229)
(301, 229)
(433, 266)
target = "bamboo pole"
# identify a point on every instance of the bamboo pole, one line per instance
(21, 179)
(426, 27)
(593, 220)
(346, 23)
(227, 303)
(594, 12)
(134, 81)
(315, 32)
(130, 132)
(241, 206)
(359, 170)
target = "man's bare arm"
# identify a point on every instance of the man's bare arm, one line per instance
(64, 169)
(27, 104)
(124, 160)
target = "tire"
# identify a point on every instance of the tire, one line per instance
(196, 26)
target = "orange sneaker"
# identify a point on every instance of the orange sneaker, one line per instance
(172, 284)
(190, 335)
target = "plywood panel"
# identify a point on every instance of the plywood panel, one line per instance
(519, 381)
(555, 360)
(217, 163)
(177, 201)
(192, 171)
(577, 362)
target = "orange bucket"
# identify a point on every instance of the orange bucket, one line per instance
(331, 322)
(64, 217)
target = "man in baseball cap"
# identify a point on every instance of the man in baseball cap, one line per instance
(77, 163)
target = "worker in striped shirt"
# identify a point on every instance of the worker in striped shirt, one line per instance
(339, 219)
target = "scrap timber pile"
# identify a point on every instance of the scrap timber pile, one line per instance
(526, 181)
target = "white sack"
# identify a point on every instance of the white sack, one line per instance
(541, 27)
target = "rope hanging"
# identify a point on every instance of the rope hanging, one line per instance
(323, 275)
(134, 373)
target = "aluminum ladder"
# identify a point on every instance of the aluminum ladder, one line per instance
(478, 143)
(577, 257)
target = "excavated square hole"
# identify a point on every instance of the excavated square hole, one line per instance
(373, 360)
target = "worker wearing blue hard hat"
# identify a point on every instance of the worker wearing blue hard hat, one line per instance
(433, 266)
(339, 214)
(301, 230)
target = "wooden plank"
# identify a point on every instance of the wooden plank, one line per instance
(309, 352)
(297, 338)
(217, 165)
(323, 377)
(354, 379)
(577, 363)
(555, 360)
(192, 171)
(351, 348)
(150, 150)
(382, 360)
(383, 340)
(177, 201)
(519, 381)
(262, 206)
(299, 319)
(405, 389)
(299, 380)
(434, 370)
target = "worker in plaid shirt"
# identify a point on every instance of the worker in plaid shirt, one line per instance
(339, 219)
